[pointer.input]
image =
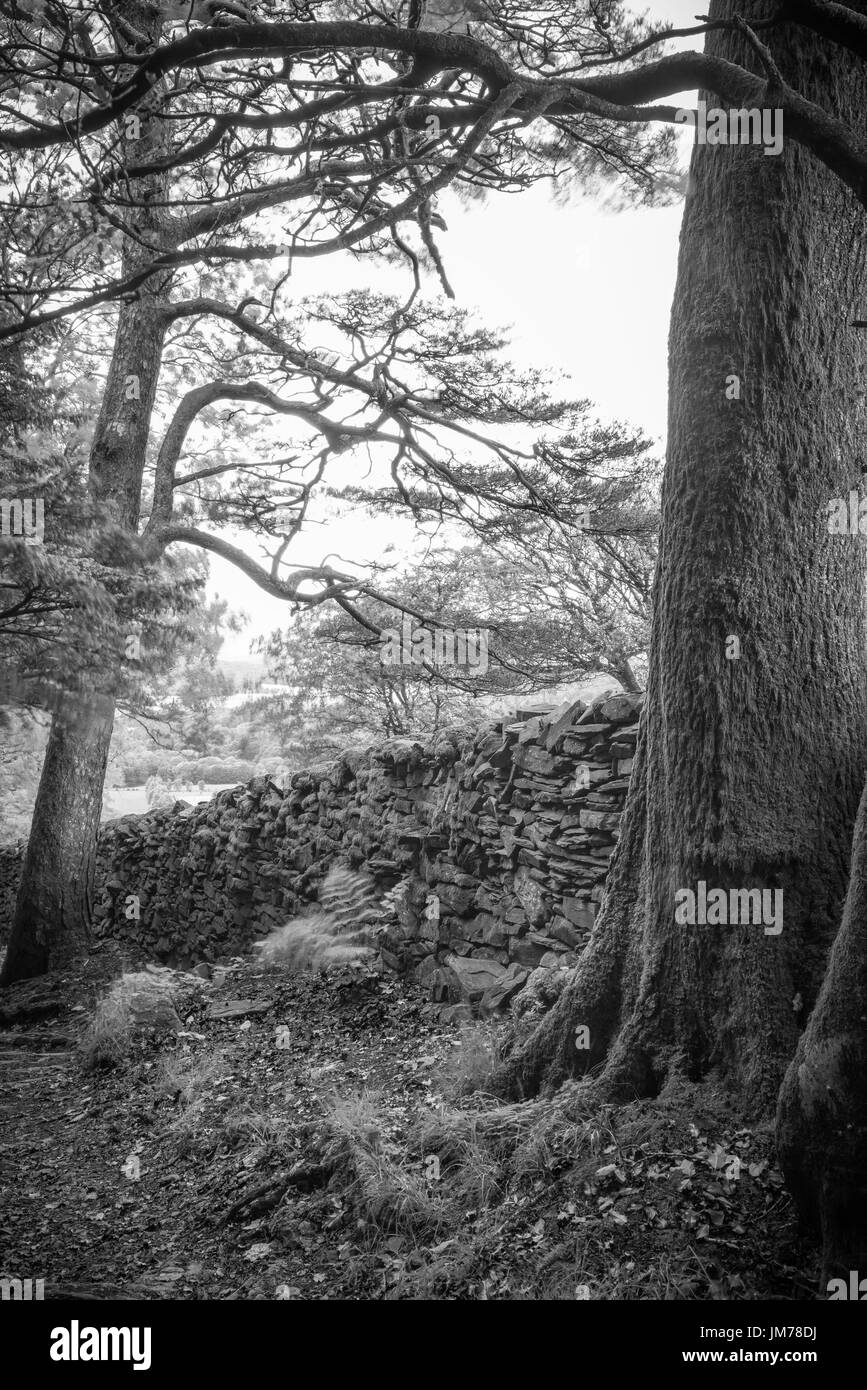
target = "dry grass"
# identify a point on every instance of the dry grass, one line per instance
(264, 1133)
(191, 1082)
(407, 1188)
(390, 1193)
(136, 1000)
(311, 943)
(470, 1069)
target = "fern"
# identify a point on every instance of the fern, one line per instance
(332, 934)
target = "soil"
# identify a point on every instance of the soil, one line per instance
(196, 1166)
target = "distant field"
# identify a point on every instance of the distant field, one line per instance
(129, 801)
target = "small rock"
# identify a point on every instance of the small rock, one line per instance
(456, 1013)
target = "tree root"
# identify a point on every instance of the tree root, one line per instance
(265, 1196)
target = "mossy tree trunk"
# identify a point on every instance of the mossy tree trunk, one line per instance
(748, 770)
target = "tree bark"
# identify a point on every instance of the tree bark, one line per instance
(622, 669)
(748, 770)
(52, 910)
(51, 918)
(822, 1110)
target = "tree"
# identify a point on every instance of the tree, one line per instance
(51, 245)
(822, 1109)
(343, 684)
(564, 601)
(90, 220)
(555, 606)
(748, 770)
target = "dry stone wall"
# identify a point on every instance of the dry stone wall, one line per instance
(488, 852)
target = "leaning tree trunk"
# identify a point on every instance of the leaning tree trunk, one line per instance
(749, 767)
(51, 918)
(822, 1111)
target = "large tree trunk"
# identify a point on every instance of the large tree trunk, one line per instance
(51, 918)
(822, 1111)
(748, 771)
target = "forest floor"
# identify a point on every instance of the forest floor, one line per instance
(334, 1141)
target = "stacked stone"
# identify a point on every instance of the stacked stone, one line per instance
(488, 851)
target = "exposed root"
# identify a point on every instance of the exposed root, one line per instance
(265, 1196)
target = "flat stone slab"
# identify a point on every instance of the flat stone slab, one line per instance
(238, 1008)
(476, 975)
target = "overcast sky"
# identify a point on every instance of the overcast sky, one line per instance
(584, 290)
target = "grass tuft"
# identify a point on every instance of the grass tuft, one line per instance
(136, 1000)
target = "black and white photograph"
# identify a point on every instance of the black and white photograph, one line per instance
(433, 671)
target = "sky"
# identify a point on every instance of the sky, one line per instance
(585, 290)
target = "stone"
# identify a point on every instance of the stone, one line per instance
(455, 900)
(578, 912)
(474, 929)
(530, 895)
(425, 972)
(444, 985)
(475, 976)
(456, 1013)
(526, 952)
(461, 947)
(498, 996)
(562, 719)
(565, 932)
(239, 1008)
(449, 873)
(493, 822)
(491, 953)
(619, 708)
(531, 712)
(533, 759)
(622, 748)
(428, 929)
(532, 858)
(599, 820)
(495, 935)
(549, 943)
(530, 731)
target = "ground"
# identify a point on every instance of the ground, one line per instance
(330, 1146)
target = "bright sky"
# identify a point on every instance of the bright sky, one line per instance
(585, 290)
